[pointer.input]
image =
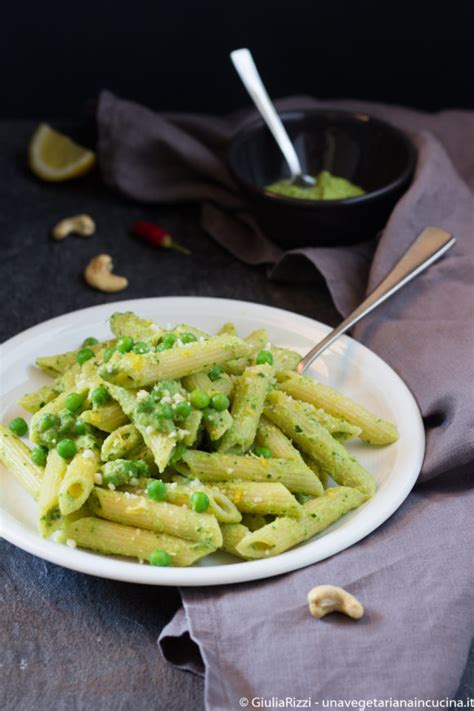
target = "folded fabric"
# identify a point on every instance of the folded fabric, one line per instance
(414, 577)
(413, 574)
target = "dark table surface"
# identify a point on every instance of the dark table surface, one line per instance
(71, 641)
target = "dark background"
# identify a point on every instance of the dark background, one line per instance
(174, 54)
(99, 636)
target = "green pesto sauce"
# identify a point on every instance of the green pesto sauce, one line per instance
(328, 187)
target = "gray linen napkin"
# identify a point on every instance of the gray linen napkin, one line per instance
(414, 573)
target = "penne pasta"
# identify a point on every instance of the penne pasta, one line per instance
(16, 457)
(116, 539)
(223, 383)
(249, 397)
(58, 364)
(260, 497)
(78, 481)
(106, 418)
(140, 329)
(297, 420)
(159, 516)
(227, 328)
(192, 428)
(52, 408)
(32, 402)
(217, 424)
(285, 532)
(160, 444)
(254, 521)
(227, 467)
(121, 443)
(220, 505)
(270, 436)
(284, 359)
(373, 429)
(167, 444)
(232, 534)
(134, 370)
(257, 341)
(180, 491)
(50, 517)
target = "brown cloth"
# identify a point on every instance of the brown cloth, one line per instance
(413, 573)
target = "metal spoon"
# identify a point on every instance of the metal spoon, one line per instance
(248, 72)
(426, 249)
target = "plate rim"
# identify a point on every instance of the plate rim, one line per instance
(113, 568)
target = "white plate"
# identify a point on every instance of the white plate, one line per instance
(347, 365)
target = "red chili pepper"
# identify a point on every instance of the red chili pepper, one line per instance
(156, 236)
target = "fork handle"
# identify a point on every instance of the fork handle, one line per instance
(426, 249)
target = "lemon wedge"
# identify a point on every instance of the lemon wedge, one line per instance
(55, 157)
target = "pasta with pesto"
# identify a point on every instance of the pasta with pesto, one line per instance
(166, 444)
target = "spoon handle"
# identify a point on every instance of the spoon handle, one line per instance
(426, 249)
(248, 72)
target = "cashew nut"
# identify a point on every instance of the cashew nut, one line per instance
(98, 274)
(78, 224)
(324, 599)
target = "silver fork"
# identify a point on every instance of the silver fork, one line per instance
(431, 243)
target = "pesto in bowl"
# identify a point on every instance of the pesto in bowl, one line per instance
(327, 187)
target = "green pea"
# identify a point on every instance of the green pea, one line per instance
(165, 411)
(264, 357)
(47, 421)
(199, 501)
(161, 347)
(66, 448)
(156, 490)
(199, 399)
(182, 410)
(39, 455)
(124, 344)
(18, 426)
(141, 347)
(84, 355)
(73, 402)
(160, 557)
(67, 422)
(187, 338)
(215, 373)
(220, 402)
(100, 396)
(169, 339)
(263, 452)
(80, 428)
(108, 353)
(90, 341)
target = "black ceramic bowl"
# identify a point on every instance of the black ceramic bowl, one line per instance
(365, 150)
